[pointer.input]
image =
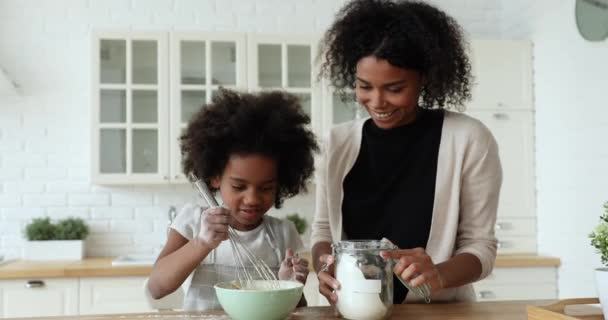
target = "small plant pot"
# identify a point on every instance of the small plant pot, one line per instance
(54, 250)
(601, 281)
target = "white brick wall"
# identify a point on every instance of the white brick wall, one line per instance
(44, 134)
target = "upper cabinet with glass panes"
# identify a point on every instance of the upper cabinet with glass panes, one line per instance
(286, 63)
(130, 100)
(147, 87)
(201, 64)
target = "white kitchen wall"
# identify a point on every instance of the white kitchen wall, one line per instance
(44, 134)
(571, 79)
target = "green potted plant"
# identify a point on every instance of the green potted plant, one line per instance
(300, 223)
(63, 240)
(599, 240)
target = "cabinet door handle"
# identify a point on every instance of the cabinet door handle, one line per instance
(500, 116)
(34, 284)
(502, 244)
(485, 294)
(502, 226)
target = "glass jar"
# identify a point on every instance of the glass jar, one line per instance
(366, 279)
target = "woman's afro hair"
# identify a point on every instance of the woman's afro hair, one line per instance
(408, 34)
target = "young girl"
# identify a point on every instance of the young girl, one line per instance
(256, 150)
(425, 178)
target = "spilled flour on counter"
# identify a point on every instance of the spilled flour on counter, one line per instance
(358, 298)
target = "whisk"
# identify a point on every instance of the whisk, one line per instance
(243, 256)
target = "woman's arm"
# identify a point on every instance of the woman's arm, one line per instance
(481, 179)
(176, 261)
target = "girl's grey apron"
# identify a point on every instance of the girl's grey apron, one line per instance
(201, 294)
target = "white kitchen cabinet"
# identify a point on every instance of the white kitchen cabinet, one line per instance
(534, 283)
(516, 221)
(286, 63)
(135, 125)
(102, 295)
(130, 108)
(145, 92)
(514, 133)
(201, 63)
(502, 71)
(39, 297)
(502, 284)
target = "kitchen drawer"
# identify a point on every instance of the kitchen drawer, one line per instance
(516, 245)
(515, 227)
(38, 297)
(102, 295)
(532, 275)
(515, 292)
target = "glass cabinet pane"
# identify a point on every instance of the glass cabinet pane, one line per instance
(344, 111)
(269, 64)
(305, 102)
(145, 150)
(298, 66)
(191, 103)
(112, 151)
(193, 62)
(113, 61)
(145, 106)
(223, 63)
(113, 106)
(145, 61)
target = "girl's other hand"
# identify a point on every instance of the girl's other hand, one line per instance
(293, 267)
(214, 227)
(327, 281)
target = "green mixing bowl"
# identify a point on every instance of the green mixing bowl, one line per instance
(259, 304)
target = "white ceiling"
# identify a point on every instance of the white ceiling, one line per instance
(497, 18)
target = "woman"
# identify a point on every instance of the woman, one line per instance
(423, 177)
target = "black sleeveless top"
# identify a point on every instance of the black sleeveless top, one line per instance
(390, 190)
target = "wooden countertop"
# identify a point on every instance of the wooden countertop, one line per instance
(505, 310)
(102, 267)
(89, 267)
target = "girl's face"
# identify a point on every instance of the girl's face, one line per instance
(248, 187)
(388, 93)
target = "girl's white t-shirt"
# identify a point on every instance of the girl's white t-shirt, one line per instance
(268, 241)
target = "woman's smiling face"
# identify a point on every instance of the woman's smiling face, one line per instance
(388, 93)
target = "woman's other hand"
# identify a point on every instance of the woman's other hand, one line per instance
(327, 281)
(293, 267)
(214, 227)
(416, 267)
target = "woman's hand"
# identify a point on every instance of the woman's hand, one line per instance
(327, 283)
(293, 267)
(214, 227)
(416, 267)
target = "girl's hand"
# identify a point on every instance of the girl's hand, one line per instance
(214, 227)
(416, 267)
(327, 283)
(293, 267)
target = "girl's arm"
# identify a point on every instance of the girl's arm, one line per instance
(176, 261)
(180, 256)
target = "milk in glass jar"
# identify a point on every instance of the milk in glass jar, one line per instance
(366, 279)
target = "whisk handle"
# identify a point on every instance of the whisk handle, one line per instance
(204, 191)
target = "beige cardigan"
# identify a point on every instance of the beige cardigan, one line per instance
(468, 182)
